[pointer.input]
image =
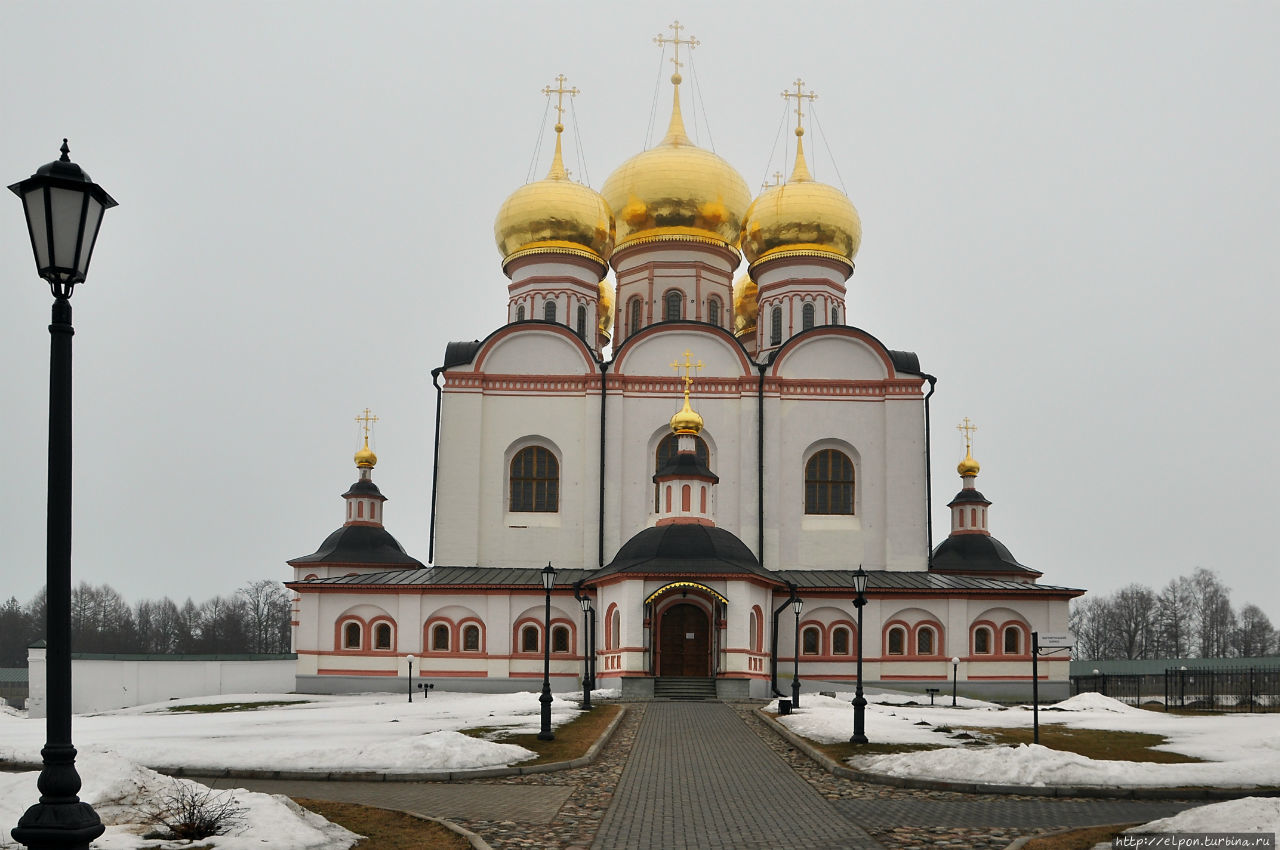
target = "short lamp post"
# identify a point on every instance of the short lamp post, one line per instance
(587, 648)
(955, 677)
(548, 582)
(64, 211)
(796, 606)
(859, 701)
(410, 659)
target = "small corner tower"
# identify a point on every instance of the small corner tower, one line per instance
(686, 488)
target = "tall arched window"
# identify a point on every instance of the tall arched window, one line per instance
(535, 481)
(840, 641)
(559, 639)
(775, 326)
(382, 636)
(810, 640)
(897, 640)
(351, 636)
(667, 449)
(924, 641)
(440, 638)
(835, 315)
(828, 483)
(1012, 640)
(529, 639)
(520, 313)
(615, 628)
(982, 641)
(582, 321)
(672, 304)
(633, 315)
(806, 316)
(549, 311)
(471, 638)
(713, 311)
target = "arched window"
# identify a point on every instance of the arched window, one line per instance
(582, 321)
(775, 326)
(382, 636)
(560, 639)
(520, 313)
(1012, 640)
(633, 315)
(549, 311)
(752, 621)
(667, 449)
(535, 481)
(471, 638)
(672, 306)
(982, 641)
(440, 638)
(835, 315)
(529, 639)
(897, 640)
(924, 641)
(810, 640)
(806, 316)
(351, 636)
(615, 625)
(713, 311)
(828, 483)
(840, 642)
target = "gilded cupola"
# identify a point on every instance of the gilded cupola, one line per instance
(555, 215)
(676, 190)
(801, 217)
(746, 306)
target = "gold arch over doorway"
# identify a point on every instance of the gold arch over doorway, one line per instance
(685, 585)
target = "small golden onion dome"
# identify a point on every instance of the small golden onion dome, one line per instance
(677, 191)
(686, 420)
(968, 468)
(604, 309)
(801, 217)
(745, 306)
(554, 215)
(365, 458)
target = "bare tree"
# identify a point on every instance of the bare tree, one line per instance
(1174, 620)
(268, 610)
(1090, 620)
(1132, 617)
(1254, 635)
(1214, 618)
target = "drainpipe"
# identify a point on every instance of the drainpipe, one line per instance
(435, 470)
(760, 473)
(604, 369)
(928, 470)
(773, 660)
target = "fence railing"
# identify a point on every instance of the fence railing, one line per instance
(1255, 689)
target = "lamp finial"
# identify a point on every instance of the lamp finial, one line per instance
(66, 149)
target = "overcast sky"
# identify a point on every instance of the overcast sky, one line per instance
(1070, 212)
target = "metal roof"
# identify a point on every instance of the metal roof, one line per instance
(912, 580)
(454, 577)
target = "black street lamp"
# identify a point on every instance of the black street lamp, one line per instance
(410, 659)
(587, 648)
(64, 211)
(796, 606)
(859, 701)
(955, 677)
(548, 581)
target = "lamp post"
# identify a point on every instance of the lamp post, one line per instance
(955, 677)
(548, 581)
(64, 211)
(796, 606)
(859, 701)
(410, 659)
(587, 679)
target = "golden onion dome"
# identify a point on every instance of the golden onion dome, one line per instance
(604, 309)
(554, 215)
(677, 190)
(365, 458)
(686, 420)
(968, 468)
(801, 217)
(745, 306)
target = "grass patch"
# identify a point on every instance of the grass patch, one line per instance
(386, 830)
(1076, 839)
(215, 708)
(573, 739)
(1103, 744)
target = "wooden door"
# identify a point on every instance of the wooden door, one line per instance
(685, 641)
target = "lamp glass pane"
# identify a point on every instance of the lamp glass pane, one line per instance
(66, 206)
(34, 202)
(93, 218)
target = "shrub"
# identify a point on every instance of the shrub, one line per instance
(186, 810)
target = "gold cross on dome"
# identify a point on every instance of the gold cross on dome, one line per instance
(801, 96)
(366, 419)
(560, 91)
(777, 181)
(967, 429)
(685, 368)
(677, 41)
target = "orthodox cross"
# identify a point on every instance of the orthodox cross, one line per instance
(801, 96)
(685, 368)
(366, 419)
(560, 91)
(967, 429)
(777, 181)
(677, 41)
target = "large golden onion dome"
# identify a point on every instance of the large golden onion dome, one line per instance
(745, 306)
(365, 458)
(801, 217)
(604, 309)
(554, 215)
(968, 468)
(678, 191)
(686, 420)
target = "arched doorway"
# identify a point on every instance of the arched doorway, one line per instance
(684, 642)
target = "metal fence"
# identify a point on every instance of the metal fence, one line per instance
(1255, 689)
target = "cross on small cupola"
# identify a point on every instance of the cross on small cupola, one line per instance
(969, 507)
(685, 484)
(364, 500)
(800, 173)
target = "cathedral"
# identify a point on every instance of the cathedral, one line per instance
(679, 416)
